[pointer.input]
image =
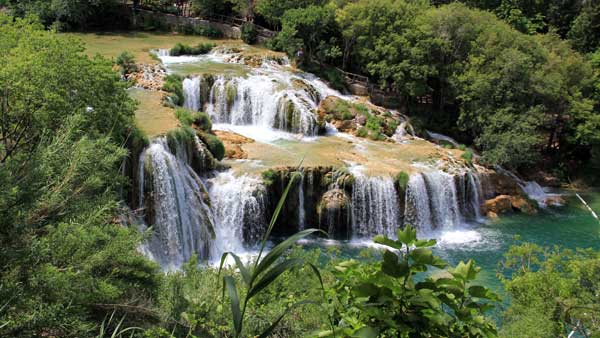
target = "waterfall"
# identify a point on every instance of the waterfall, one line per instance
(375, 206)
(417, 212)
(191, 93)
(240, 207)
(403, 132)
(279, 100)
(432, 201)
(181, 220)
(301, 210)
(475, 194)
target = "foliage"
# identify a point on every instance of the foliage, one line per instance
(273, 10)
(206, 8)
(214, 144)
(467, 155)
(68, 14)
(553, 291)
(66, 262)
(584, 31)
(191, 29)
(199, 120)
(174, 86)
(182, 49)
(396, 298)
(261, 272)
(126, 63)
(311, 29)
(249, 33)
(401, 180)
(269, 176)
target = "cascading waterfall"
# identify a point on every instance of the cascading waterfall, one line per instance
(181, 220)
(301, 209)
(240, 208)
(191, 89)
(260, 100)
(375, 206)
(417, 211)
(432, 200)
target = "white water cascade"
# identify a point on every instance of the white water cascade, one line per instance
(263, 101)
(240, 207)
(191, 89)
(375, 206)
(432, 201)
(181, 220)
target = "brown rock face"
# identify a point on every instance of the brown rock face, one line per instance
(498, 205)
(505, 185)
(554, 201)
(504, 204)
(233, 144)
(151, 77)
(523, 205)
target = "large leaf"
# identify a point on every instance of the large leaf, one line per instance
(229, 284)
(366, 332)
(240, 265)
(278, 251)
(384, 240)
(392, 267)
(408, 235)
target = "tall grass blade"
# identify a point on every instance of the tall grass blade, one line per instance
(278, 251)
(239, 264)
(235, 303)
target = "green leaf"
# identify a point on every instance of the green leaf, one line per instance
(408, 235)
(391, 267)
(239, 264)
(278, 251)
(366, 332)
(365, 290)
(384, 240)
(229, 284)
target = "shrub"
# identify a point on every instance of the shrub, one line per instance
(397, 298)
(249, 33)
(182, 49)
(467, 156)
(185, 117)
(174, 86)
(214, 144)
(202, 121)
(362, 132)
(402, 180)
(126, 63)
(462, 147)
(269, 176)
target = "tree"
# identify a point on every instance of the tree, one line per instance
(584, 31)
(553, 291)
(273, 10)
(312, 29)
(64, 119)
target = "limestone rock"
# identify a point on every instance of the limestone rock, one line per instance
(149, 76)
(499, 205)
(523, 205)
(554, 201)
(233, 144)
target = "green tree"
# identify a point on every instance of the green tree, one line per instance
(273, 10)
(584, 31)
(65, 259)
(552, 291)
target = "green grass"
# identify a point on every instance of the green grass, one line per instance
(139, 44)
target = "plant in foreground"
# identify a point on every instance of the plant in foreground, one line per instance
(386, 300)
(263, 271)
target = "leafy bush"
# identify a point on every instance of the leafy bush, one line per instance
(402, 180)
(467, 156)
(214, 144)
(362, 132)
(174, 86)
(269, 176)
(182, 49)
(126, 63)
(199, 120)
(249, 33)
(397, 298)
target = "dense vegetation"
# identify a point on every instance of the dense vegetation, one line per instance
(66, 124)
